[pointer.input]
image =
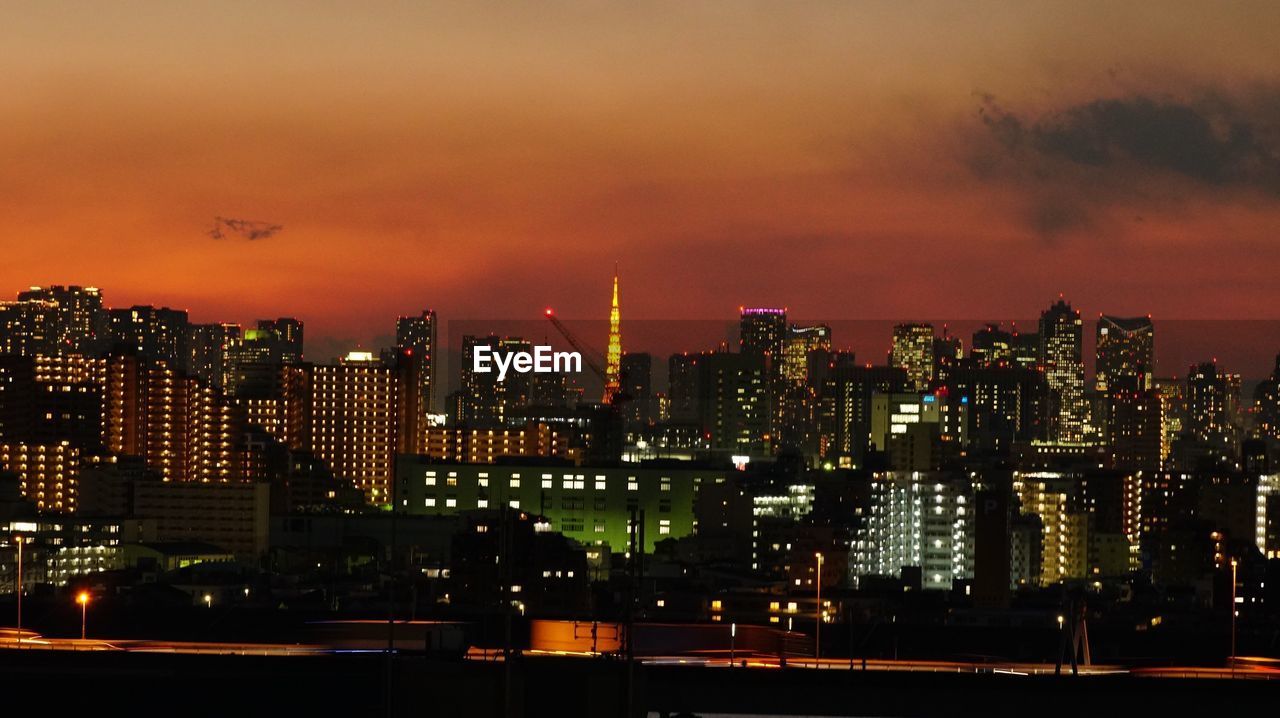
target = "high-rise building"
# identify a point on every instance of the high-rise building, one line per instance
(72, 321)
(684, 390)
(845, 420)
(1007, 404)
(762, 332)
(356, 409)
(637, 387)
(178, 424)
(913, 352)
(485, 401)
(208, 346)
(150, 332)
(286, 335)
(1133, 428)
(992, 346)
(418, 335)
(1208, 397)
(733, 401)
(917, 519)
(1266, 397)
(1125, 348)
(1061, 353)
(806, 360)
(48, 473)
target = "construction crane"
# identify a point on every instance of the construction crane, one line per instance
(590, 357)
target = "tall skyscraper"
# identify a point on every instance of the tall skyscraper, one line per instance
(1266, 397)
(75, 317)
(734, 401)
(992, 346)
(417, 335)
(1061, 355)
(150, 332)
(1125, 348)
(684, 388)
(762, 331)
(613, 357)
(285, 334)
(805, 362)
(913, 352)
(637, 385)
(485, 401)
(1208, 399)
(207, 348)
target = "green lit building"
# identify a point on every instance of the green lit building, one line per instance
(592, 505)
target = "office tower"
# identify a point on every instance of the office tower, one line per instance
(1061, 356)
(418, 335)
(1125, 347)
(637, 387)
(917, 519)
(1026, 349)
(1173, 410)
(613, 356)
(17, 397)
(733, 401)
(913, 352)
(846, 408)
(1266, 396)
(992, 346)
(948, 353)
(913, 429)
(1133, 422)
(805, 351)
(355, 408)
(683, 388)
(71, 318)
(485, 401)
(1007, 404)
(762, 332)
(805, 362)
(285, 333)
(150, 332)
(207, 347)
(1208, 401)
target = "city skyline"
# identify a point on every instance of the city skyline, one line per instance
(911, 155)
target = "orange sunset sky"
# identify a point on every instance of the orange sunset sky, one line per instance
(845, 159)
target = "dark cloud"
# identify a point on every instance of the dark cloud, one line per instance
(224, 227)
(1136, 149)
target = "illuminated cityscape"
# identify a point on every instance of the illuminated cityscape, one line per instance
(640, 360)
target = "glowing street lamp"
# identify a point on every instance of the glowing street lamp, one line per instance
(82, 598)
(208, 600)
(1234, 563)
(817, 631)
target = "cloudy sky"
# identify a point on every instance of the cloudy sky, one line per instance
(846, 159)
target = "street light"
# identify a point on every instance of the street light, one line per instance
(18, 540)
(82, 598)
(817, 632)
(1234, 563)
(208, 600)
